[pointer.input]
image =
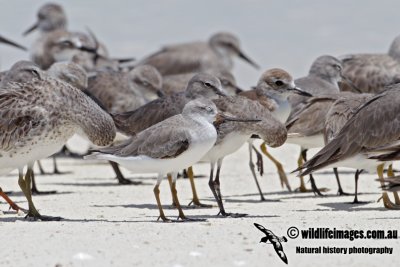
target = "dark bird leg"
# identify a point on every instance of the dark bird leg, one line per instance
(356, 176)
(25, 185)
(121, 179)
(42, 172)
(313, 185)
(217, 188)
(195, 200)
(251, 165)
(340, 189)
(10, 202)
(281, 172)
(260, 162)
(156, 191)
(35, 190)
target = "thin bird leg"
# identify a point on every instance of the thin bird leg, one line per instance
(25, 185)
(302, 188)
(10, 202)
(174, 193)
(356, 176)
(26, 189)
(251, 164)
(279, 167)
(35, 190)
(386, 200)
(313, 185)
(390, 173)
(121, 179)
(218, 190)
(42, 172)
(340, 189)
(195, 200)
(156, 191)
(260, 162)
(214, 192)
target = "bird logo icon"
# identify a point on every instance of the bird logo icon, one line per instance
(271, 238)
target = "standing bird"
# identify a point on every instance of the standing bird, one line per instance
(217, 53)
(2, 75)
(38, 117)
(306, 122)
(274, 240)
(200, 86)
(233, 135)
(364, 141)
(272, 91)
(168, 146)
(339, 113)
(371, 73)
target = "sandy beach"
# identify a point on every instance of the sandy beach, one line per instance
(106, 224)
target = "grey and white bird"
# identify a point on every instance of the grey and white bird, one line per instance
(168, 146)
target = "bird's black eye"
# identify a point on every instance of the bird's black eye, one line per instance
(144, 83)
(279, 83)
(207, 84)
(35, 73)
(338, 67)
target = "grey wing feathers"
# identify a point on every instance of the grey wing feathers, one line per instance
(135, 121)
(163, 140)
(374, 124)
(177, 59)
(371, 73)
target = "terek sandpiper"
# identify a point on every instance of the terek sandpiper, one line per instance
(362, 143)
(38, 117)
(168, 146)
(217, 53)
(272, 91)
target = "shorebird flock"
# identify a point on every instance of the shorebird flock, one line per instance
(181, 106)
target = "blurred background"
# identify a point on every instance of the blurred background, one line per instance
(286, 34)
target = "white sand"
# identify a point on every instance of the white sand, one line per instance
(110, 225)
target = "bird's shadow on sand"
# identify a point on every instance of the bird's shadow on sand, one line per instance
(20, 194)
(102, 184)
(351, 206)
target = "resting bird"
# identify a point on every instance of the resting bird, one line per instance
(217, 53)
